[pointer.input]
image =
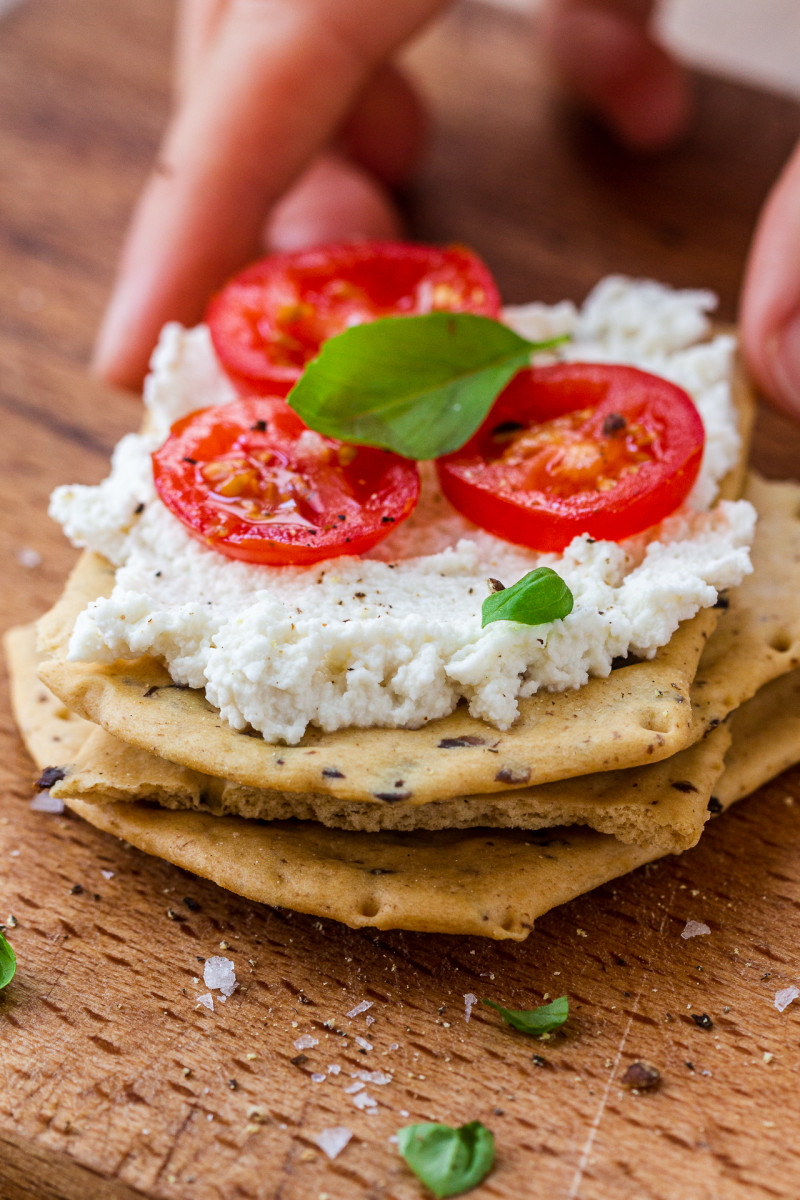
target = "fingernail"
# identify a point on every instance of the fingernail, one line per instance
(786, 363)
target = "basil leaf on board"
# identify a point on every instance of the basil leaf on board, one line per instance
(539, 597)
(419, 386)
(535, 1020)
(447, 1160)
(8, 962)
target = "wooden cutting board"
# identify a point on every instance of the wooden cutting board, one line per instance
(114, 1082)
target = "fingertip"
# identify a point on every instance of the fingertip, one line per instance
(333, 201)
(612, 64)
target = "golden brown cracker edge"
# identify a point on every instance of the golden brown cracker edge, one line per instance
(449, 881)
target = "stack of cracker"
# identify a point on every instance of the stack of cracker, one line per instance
(454, 827)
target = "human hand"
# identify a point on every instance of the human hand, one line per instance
(286, 111)
(606, 53)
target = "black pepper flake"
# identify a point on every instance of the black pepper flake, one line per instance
(505, 428)
(496, 586)
(392, 797)
(722, 602)
(683, 785)
(172, 915)
(641, 1075)
(382, 871)
(516, 775)
(614, 423)
(387, 520)
(48, 777)
(456, 743)
(714, 806)
(498, 1112)
(232, 1084)
(539, 1060)
(331, 773)
(298, 1060)
(76, 889)
(702, 1020)
(191, 904)
(199, 958)
(259, 427)
(192, 461)
(139, 509)
(689, 1065)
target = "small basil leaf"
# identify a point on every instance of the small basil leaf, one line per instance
(419, 386)
(8, 962)
(447, 1160)
(539, 597)
(535, 1020)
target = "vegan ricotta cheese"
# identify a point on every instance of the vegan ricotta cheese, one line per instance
(394, 638)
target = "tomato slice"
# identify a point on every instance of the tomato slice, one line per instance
(271, 319)
(251, 481)
(574, 448)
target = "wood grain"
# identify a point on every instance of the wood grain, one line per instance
(115, 1084)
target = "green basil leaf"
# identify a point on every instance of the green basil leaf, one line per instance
(419, 386)
(535, 1020)
(8, 962)
(447, 1160)
(539, 597)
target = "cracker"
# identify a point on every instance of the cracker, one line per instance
(447, 881)
(663, 806)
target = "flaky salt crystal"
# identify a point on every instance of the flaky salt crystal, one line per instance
(359, 1008)
(369, 1021)
(364, 1100)
(107, 874)
(207, 1000)
(333, 1068)
(333, 1141)
(318, 1077)
(44, 802)
(694, 929)
(469, 1003)
(353, 1088)
(376, 1077)
(785, 996)
(363, 1043)
(305, 1042)
(28, 557)
(218, 972)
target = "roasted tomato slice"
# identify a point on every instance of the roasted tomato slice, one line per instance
(271, 319)
(577, 448)
(251, 481)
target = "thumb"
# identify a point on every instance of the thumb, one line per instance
(770, 311)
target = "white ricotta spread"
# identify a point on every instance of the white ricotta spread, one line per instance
(394, 638)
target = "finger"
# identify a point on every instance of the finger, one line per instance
(196, 24)
(770, 312)
(275, 85)
(610, 61)
(386, 131)
(335, 200)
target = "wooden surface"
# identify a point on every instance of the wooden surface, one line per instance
(114, 1083)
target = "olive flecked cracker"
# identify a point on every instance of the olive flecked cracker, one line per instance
(494, 883)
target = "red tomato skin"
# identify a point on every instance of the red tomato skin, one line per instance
(373, 492)
(548, 522)
(366, 280)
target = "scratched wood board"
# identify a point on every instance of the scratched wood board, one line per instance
(115, 1084)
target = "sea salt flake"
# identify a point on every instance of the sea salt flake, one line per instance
(107, 874)
(359, 1008)
(333, 1141)
(305, 1042)
(364, 1100)
(369, 1021)
(785, 996)
(469, 1003)
(318, 1077)
(207, 999)
(27, 557)
(45, 803)
(353, 1088)
(694, 929)
(218, 972)
(376, 1077)
(333, 1068)
(363, 1043)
